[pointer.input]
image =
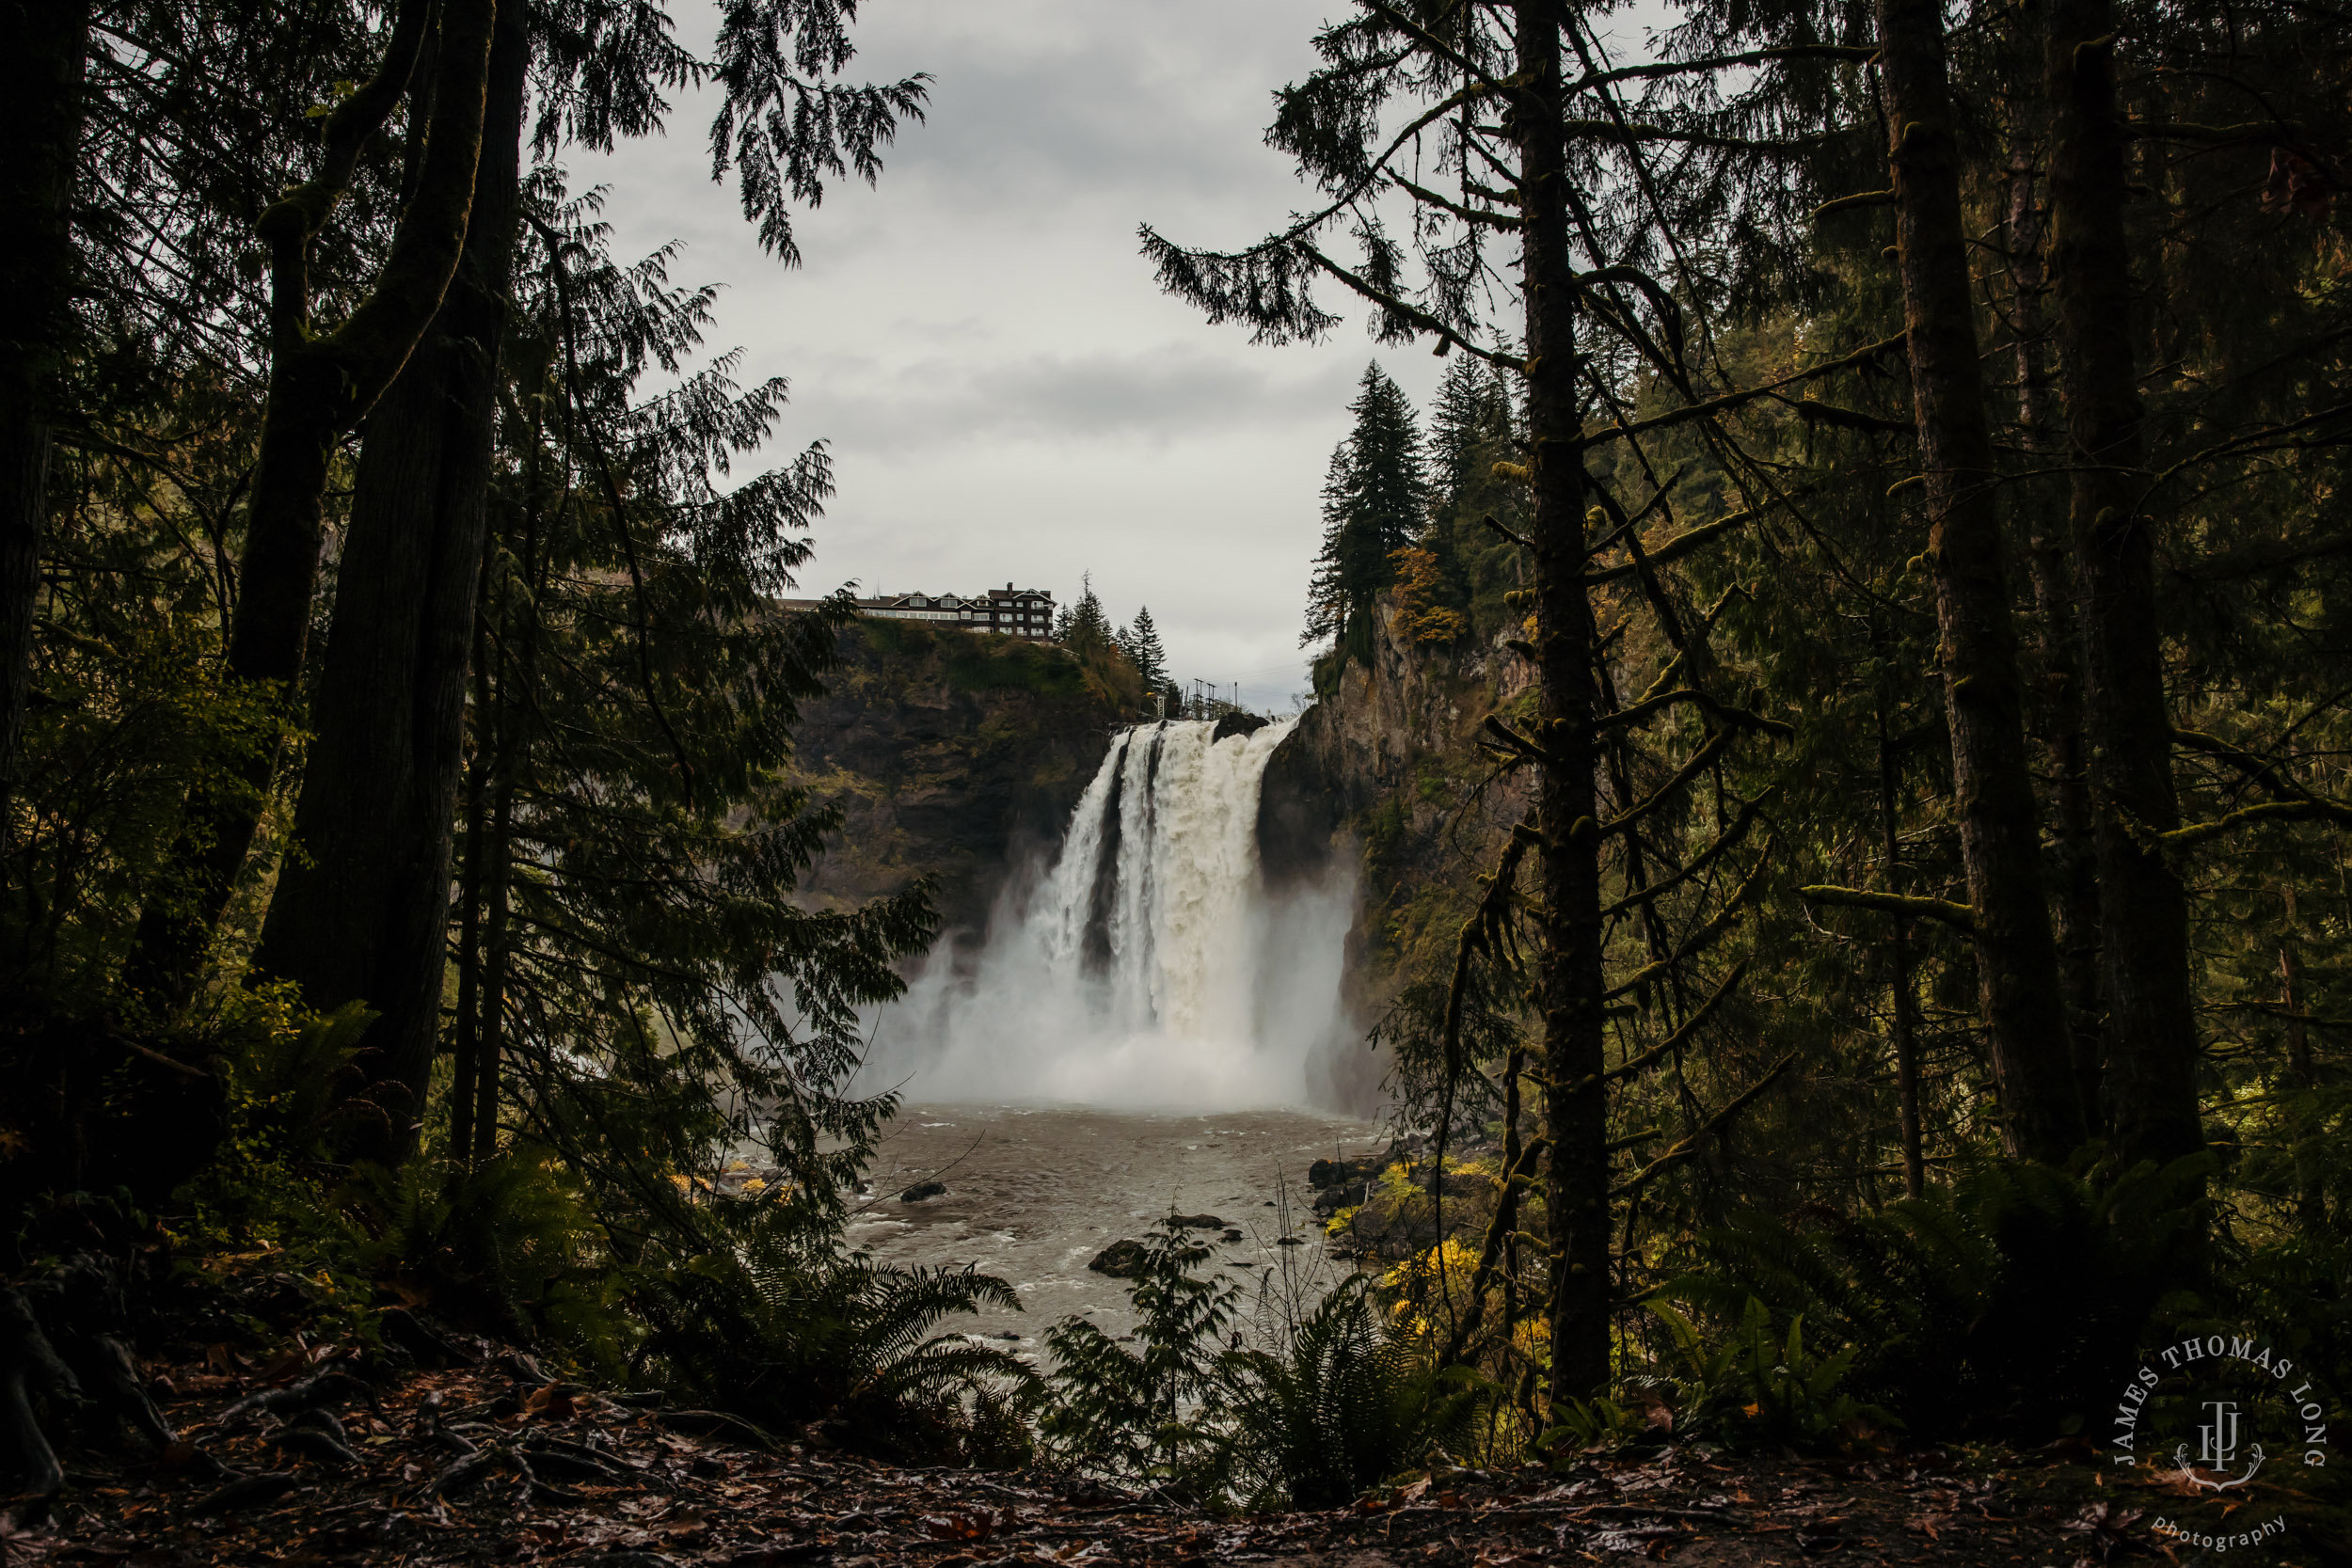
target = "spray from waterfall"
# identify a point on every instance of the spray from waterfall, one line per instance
(1150, 966)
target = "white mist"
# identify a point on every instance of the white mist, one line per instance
(1150, 967)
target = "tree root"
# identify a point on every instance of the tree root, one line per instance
(63, 1356)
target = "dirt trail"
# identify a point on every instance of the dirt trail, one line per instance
(491, 1465)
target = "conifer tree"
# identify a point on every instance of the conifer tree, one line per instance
(1144, 648)
(2152, 1068)
(45, 42)
(1514, 109)
(2017, 957)
(320, 385)
(1375, 499)
(1469, 425)
(624, 937)
(358, 913)
(1088, 632)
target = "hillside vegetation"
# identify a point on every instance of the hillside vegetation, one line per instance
(952, 755)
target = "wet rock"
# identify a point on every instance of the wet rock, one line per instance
(923, 1189)
(1121, 1260)
(1332, 1173)
(1238, 724)
(1195, 1222)
(1232, 1235)
(1331, 1199)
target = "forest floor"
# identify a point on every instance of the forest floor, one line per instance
(300, 1461)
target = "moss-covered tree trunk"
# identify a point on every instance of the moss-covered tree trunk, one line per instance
(2017, 966)
(362, 913)
(320, 386)
(44, 44)
(1568, 968)
(2074, 869)
(2152, 1032)
(1899, 984)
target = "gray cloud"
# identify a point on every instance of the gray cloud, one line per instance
(1007, 393)
(1157, 396)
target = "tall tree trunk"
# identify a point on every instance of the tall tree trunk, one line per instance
(1568, 968)
(43, 43)
(1899, 979)
(2312, 1193)
(362, 914)
(2017, 967)
(2152, 1040)
(2075, 867)
(320, 386)
(467, 1034)
(490, 1034)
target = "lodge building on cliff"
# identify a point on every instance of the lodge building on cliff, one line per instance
(1012, 611)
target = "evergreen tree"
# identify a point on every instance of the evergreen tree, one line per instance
(1375, 500)
(1144, 648)
(637, 988)
(1088, 632)
(1469, 426)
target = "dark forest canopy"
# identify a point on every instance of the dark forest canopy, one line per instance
(1898, 886)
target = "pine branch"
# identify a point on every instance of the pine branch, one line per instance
(2332, 812)
(1468, 215)
(1700, 939)
(1730, 401)
(1731, 836)
(1697, 1140)
(1412, 314)
(1849, 203)
(1435, 45)
(1851, 54)
(1683, 775)
(1672, 1043)
(2296, 803)
(2253, 130)
(1958, 916)
(1739, 717)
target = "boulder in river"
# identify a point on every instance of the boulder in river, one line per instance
(1332, 1173)
(922, 1190)
(1331, 1199)
(1238, 722)
(1121, 1260)
(1195, 1222)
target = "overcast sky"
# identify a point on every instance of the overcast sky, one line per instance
(1007, 395)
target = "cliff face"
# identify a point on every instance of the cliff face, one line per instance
(1384, 771)
(952, 752)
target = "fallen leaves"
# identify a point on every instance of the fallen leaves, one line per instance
(491, 1460)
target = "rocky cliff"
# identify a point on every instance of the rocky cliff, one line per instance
(953, 753)
(1384, 771)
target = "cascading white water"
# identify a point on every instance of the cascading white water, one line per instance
(1150, 967)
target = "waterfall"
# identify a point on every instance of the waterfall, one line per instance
(1149, 966)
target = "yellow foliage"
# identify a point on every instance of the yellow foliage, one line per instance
(1448, 1267)
(1419, 582)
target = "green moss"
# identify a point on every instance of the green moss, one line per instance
(1384, 831)
(977, 663)
(897, 637)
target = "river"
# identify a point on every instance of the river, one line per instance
(1035, 1192)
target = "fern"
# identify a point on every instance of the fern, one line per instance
(1147, 1413)
(1753, 1384)
(783, 1333)
(1347, 1406)
(2005, 1305)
